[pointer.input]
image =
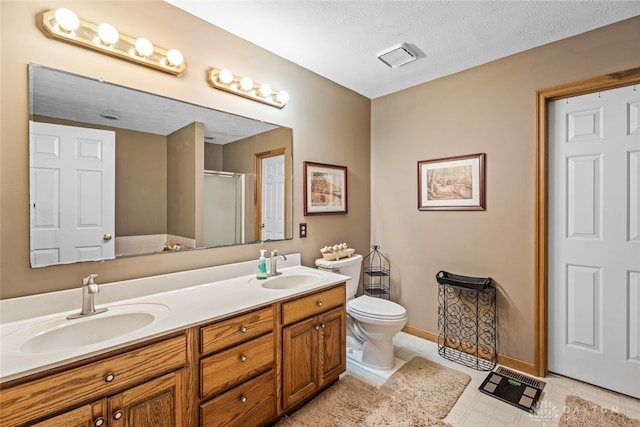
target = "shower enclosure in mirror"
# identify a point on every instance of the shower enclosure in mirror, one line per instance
(116, 172)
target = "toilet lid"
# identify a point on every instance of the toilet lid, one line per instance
(377, 308)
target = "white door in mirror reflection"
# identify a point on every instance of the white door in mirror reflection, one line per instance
(71, 225)
(273, 198)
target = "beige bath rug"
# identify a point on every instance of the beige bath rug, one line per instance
(420, 393)
(579, 412)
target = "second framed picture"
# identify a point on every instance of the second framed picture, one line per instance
(325, 189)
(451, 183)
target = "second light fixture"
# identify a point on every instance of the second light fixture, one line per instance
(224, 79)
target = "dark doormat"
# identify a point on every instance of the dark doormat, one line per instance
(513, 388)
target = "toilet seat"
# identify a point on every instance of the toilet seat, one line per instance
(376, 308)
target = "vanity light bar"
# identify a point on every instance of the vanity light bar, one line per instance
(224, 79)
(64, 25)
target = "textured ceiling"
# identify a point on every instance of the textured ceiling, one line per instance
(339, 39)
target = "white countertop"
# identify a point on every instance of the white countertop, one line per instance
(191, 297)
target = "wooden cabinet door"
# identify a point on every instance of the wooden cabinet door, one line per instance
(299, 361)
(332, 339)
(157, 403)
(91, 415)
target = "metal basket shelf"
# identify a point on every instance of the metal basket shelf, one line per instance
(376, 274)
(467, 320)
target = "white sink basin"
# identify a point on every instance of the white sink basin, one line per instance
(289, 280)
(62, 334)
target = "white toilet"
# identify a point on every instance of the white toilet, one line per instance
(371, 322)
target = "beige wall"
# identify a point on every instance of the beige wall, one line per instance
(185, 186)
(489, 109)
(314, 102)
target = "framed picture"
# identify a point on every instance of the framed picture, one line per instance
(325, 189)
(451, 183)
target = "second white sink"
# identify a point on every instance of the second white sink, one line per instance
(289, 280)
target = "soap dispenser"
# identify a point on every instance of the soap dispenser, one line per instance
(262, 266)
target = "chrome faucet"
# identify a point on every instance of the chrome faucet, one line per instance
(89, 289)
(273, 262)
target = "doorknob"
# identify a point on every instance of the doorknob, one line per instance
(106, 237)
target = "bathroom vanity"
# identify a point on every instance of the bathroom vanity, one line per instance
(231, 351)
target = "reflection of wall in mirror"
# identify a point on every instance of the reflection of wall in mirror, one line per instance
(239, 157)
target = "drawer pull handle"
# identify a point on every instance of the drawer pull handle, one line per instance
(243, 329)
(243, 399)
(98, 422)
(243, 358)
(319, 303)
(118, 414)
(109, 377)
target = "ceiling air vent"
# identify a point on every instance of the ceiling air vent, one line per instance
(397, 55)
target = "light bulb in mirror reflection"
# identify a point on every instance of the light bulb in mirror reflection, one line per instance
(67, 20)
(246, 84)
(283, 96)
(108, 34)
(265, 90)
(174, 58)
(143, 47)
(225, 76)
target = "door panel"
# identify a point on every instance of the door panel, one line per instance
(594, 252)
(273, 197)
(69, 226)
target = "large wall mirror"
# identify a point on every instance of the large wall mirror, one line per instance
(118, 172)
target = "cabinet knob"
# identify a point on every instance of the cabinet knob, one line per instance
(109, 377)
(319, 303)
(243, 358)
(98, 422)
(322, 325)
(118, 414)
(316, 327)
(243, 329)
(243, 399)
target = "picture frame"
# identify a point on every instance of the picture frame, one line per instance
(452, 183)
(325, 189)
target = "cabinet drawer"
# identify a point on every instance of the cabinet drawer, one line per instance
(313, 304)
(249, 404)
(41, 397)
(230, 367)
(234, 331)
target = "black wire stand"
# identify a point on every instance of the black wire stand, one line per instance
(376, 274)
(467, 320)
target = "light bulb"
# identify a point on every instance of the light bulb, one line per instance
(143, 47)
(265, 90)
(67, 20)
(283, 96)
(174, 57)
(246, 83)
(225, 76)
(108, 34)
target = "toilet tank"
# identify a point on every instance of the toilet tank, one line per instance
(346, 266)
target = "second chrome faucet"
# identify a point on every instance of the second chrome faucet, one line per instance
(273, 262)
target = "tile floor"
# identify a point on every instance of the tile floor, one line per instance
(475, 409)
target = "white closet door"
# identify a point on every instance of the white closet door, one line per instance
(594, 239)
